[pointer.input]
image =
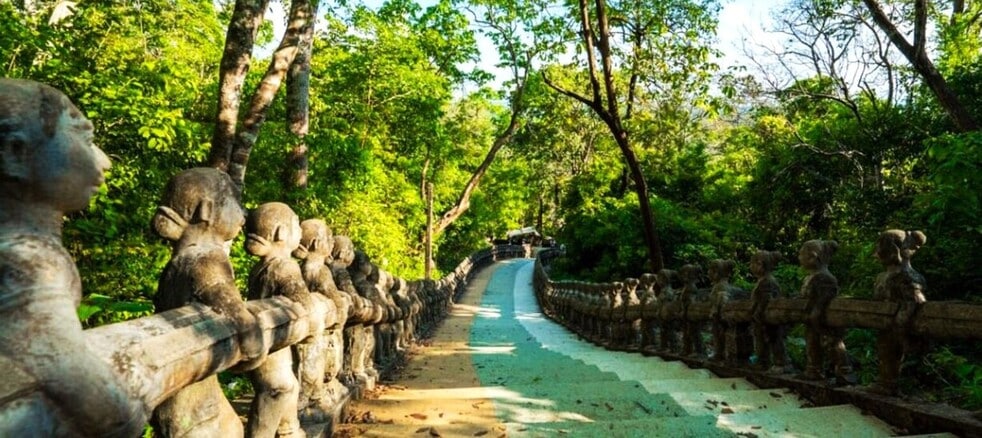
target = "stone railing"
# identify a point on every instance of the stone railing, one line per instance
(157, 356)
(648, 316)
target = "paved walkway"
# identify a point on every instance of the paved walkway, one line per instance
(498, 367)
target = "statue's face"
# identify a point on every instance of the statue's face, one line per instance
(808, 256)
(69, 168)
(757, 266)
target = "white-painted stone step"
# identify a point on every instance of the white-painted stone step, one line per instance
(695, 385)
(736, 401)
(827, 421)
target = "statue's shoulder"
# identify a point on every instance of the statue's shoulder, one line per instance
(36, 266)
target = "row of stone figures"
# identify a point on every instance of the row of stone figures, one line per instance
(667, 312)
(371, 314)
(56, 385)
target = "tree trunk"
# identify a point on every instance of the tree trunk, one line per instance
(298, 104)
(301, 11)
(611, 117)
(464, 200)
(239, 40)
(916, 54)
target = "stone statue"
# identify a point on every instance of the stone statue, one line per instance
(819, 288)
(353, 372)
(321, 357)
(273, 233)
(200, 215)
(669, 310)
(49, 167)
(720, 272)
(769, 340)
(898, 283)
(649, 303)
(692, 330)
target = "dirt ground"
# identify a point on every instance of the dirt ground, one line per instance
(437, 393)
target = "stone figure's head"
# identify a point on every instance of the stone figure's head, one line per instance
(203, 198)
(763, 262)
(720, 269)
(690, 274)
(648, 280)
(272, 229)
(316, 238)
(46, 150)
(816, 254)
(893, 247)
(344, 251)
(665, 278)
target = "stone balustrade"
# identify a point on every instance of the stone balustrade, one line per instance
(158, 355)
(655, 323)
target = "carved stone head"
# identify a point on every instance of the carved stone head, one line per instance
(896, 247)
(815, 255)
(763, 262)
(344, 251)
(46, 152)
(316, 240)
(721, 270)
(273, 230)
(202, 199)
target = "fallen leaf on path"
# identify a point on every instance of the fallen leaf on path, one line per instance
(418, 416)
(433, 432)
(776, 395)
(609, 407)
(423, 429)
(726, 411)
(481, 433)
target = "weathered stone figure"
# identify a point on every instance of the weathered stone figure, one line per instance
(273, 233)
(321, 356)
(769, 340)
(199, 214)
(669, 310)
(901, 284)
(720, 272)
(692, 332)
(48, 167)
(353, 371)
(819, 288)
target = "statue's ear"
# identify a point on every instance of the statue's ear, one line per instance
(14, 158)
(279, 233)
(205, 211)
(168, 224)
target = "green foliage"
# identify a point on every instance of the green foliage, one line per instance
(961, 377)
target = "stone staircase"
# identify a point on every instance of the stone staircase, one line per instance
(541, 380)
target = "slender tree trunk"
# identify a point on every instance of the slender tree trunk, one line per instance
(301, 11)
(428, 269)
(298, 104)
(609, 111)
(916, 54)
(239, 40)
(464, 200)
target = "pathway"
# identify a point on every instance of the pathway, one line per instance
(498, 367)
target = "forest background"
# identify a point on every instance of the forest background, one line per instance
(634, 148)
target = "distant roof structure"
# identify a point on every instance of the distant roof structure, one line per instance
(526, 231)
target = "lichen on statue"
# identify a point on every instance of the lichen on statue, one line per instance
(49, 167)
(769, 339)
(273, 233)
(819, 288)
(901, 284)
(322, 357)
(199, 214)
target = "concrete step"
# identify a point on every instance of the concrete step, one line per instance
(703, 426)
(697, 384)
(736, 401)
(840, 420)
